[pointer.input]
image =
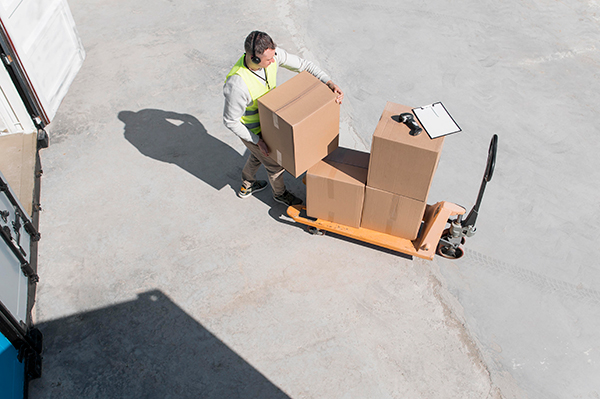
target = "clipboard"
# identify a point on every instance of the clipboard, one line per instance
(436, 120)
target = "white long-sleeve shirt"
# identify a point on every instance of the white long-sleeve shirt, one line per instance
(237, 95)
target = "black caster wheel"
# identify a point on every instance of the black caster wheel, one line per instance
(449, 252)
(315, 232)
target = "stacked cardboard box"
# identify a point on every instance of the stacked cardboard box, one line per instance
(400, 172)
(335, 187)
(300, 122)
(385, 192)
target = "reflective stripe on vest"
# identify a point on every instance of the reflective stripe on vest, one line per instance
(257, 89)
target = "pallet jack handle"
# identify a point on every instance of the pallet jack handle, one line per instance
(469, 221)
(452, 239)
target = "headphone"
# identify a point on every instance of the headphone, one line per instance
(254, 58)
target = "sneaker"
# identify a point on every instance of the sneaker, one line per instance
(257, 186)
(288, 199)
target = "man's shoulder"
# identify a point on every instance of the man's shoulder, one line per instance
(235, 78)
(235, 82)
(234, 86)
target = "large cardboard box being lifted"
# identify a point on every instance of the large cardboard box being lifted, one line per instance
(392, 214)
(300, 122)
(401, 163)
(335, 187)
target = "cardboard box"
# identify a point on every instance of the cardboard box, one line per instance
(401, 163)
(300, 122)
(335, 187)
(392, 213)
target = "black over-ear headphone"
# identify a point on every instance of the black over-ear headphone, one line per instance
(254, 58)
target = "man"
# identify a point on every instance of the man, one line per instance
(252, 76)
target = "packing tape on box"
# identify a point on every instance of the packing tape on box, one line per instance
(331, 216)
(330, 184)
(393, 214)
(279, 156)
(330, 189)
(275, 121)
(300, 95)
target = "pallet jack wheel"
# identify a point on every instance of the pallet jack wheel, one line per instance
(449, 252)
(315, 232)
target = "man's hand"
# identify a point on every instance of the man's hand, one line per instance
(264, 148)
(336, 89)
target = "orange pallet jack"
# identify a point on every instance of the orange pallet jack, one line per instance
(440, 233)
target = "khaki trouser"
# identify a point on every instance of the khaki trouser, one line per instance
(274, 170)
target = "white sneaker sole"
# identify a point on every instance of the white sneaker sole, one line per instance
(239, 193)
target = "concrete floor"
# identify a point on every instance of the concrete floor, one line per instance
(157, 281)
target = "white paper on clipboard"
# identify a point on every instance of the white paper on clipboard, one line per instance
(436, 121)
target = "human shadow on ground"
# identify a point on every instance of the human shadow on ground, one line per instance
(144, 348)
(181, 139)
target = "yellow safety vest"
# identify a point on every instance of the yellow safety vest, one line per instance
(257, 88)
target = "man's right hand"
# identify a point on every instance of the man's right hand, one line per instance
(264, 148)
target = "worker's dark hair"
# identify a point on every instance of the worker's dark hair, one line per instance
(261, 42)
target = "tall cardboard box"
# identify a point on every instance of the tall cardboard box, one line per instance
(401, 163)
(300, 122)
(335, 187)
(392, 214)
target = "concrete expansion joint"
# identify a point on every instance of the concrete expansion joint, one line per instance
(359, 142)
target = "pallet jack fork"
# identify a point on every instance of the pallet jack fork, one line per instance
(434, 236)
(424, 246)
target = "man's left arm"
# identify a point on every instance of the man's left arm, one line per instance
(296, 64)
